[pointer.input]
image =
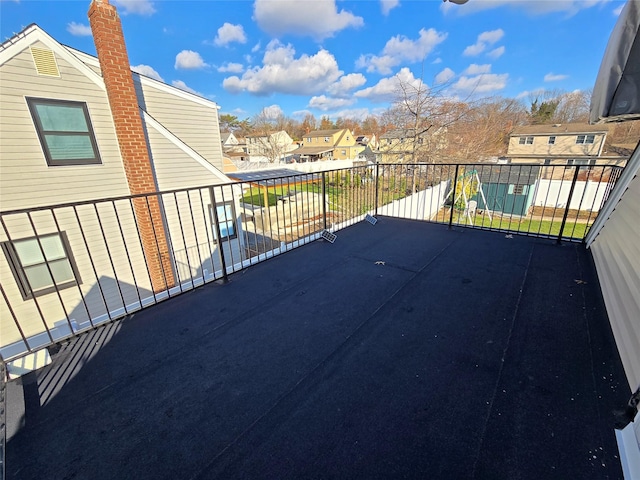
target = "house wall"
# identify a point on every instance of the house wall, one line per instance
(25, 178)
(105, 246)
(103, 239)
(616, 252)
(565, 145)
(177, 114)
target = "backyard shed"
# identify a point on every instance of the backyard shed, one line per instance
(507, 190)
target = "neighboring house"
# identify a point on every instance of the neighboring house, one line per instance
(367, 140)
(572, 143)
(367, 155)
(73, 131)
(272, 147)
(403, 145)
(229, 142)
(337, 144)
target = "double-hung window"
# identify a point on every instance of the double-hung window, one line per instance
(525, 140)
(41, 264)
(584, 139)
(65, 131)
(552, 140)
(226, 221)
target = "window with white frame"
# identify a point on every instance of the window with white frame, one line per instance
(226, 221)
(552, 140)
(41, 264)
(525, 140)
(585, 139)
(65, 131)
(326, 139)
(344, 152)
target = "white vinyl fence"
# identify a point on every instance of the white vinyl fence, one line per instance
(422, 205)
(555, 194)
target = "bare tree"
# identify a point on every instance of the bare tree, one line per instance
(269, 138)
(421, 116)
(484, 129)
(573, 107)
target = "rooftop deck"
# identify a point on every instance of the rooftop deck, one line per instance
(403, 350)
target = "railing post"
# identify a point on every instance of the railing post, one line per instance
(324, 200)
(566, 210)
(453, 196)
(216, 222)
(377, 170)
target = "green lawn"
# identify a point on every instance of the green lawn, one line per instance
(536, 226)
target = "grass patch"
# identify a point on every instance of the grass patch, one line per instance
(525, 225)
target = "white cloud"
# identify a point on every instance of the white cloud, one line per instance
(231, 67)
(319, 19)
(401, 49)
(78, 29)
(533, 7)
(444, 76)
(484, 40)
(354, 113)
(437, 61)
(487, 82)
(474, 50)
(183, 86)
(496, 53)
(189, 60)
(139, 7)
(325, 103)
(272, 112)
(147, 71)
(282, 72)
(475, 69)
(255, 48)
(618, 11)
(551, 77)
(388, 5)
(228, 33)
(491, 36)
(346, 84)
(387, 88)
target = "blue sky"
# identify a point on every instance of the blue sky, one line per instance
(340, 58)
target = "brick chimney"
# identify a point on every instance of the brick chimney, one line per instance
(116, 72)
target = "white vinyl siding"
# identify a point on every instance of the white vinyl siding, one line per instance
(196, 125)
(25, 178)
(89, 249)
(616, 251)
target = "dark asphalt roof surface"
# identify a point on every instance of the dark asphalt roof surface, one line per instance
(402, 350)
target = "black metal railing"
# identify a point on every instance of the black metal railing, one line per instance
(69, 268)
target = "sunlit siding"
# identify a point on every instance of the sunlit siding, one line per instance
(564, 145)
(194, 124)
(616, 251)
(104, 244)
(25, 178)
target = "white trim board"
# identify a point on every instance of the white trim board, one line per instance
(35, 34)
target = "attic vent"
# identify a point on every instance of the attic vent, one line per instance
(45, 62)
